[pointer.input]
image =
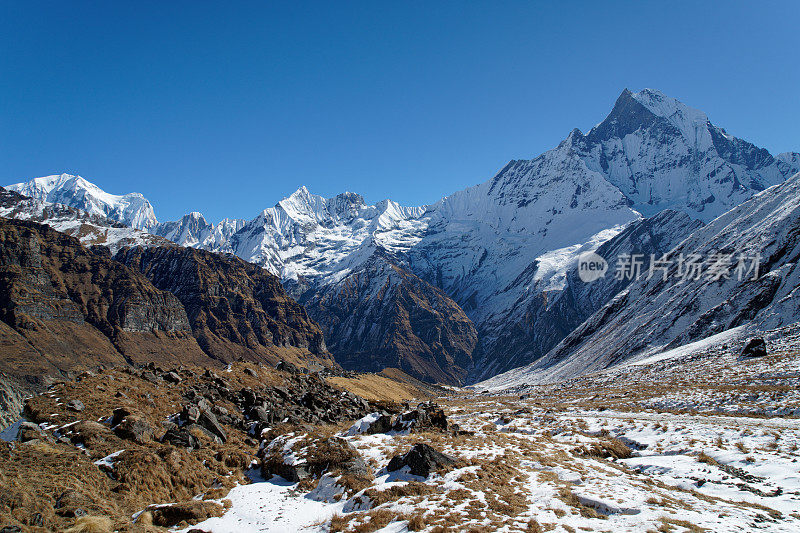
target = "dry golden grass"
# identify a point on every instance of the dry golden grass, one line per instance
(604, 449)
(669, 524)
(390, 385)
(91, 524)
(702, 457)
(566, 495)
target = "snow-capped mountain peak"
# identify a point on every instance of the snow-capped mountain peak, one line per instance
(500, 249)
(131, 209)
(689, 121)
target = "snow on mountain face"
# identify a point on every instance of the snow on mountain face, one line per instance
(309, 236)
(479, 240)
(89, 229)
(558, 301)
(762, 237)
(503, 247)
(131, 209)
(663, 154)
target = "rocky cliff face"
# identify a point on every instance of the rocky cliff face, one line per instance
(747, 276)
(553, 308)
(381, 315)
(236, 310)
(64, 308)
(501, 250)
(663, 154)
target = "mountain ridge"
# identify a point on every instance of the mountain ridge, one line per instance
(649, 154)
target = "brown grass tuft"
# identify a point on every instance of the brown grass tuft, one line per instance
(91, 524)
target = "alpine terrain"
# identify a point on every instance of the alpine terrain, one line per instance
(479, 282)
(601, 338)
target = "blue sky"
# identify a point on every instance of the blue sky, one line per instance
(225, 108)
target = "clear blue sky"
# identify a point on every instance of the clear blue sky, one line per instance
(227, 108)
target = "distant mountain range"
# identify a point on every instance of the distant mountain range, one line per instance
(483, 280)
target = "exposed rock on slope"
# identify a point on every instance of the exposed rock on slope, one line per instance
(236, 310)
(653, 312)
(65, 308)
(382, 316)
(545, 315)
(663, 154)
(156, 446)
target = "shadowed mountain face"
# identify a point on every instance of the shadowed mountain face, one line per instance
(237, 310)
(501, 251)
(383, 316)
(65, 308)
(550, 315)
(756, 247)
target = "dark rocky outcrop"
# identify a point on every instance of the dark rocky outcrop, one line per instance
(422, 459)
(236, 310)
(755, 348)
(384, 316)
(312, 455)
(64, 308)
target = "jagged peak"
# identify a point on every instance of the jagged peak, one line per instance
(195, 215)
(670, 108)
(633, 111)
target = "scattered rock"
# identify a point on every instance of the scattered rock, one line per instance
(287, 367)
(119, 415)
(29, 431)
(191, 413)
(371, 424)
(134, 428)
(171, 377)
(259, 414)
(422, 460)
(425, 416)
(311, 455)
(75, 405)
(197, 429)
(209, 421)
(191, 512)
(755, 348)
(180, 438)
(149, 376)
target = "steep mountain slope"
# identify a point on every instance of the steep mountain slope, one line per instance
(552, 308)
(64, 308)
(237, 310)
(383, 316)
(663, 154)
(500, 247)
(748, 277)
(89, 229)
(131, 209)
